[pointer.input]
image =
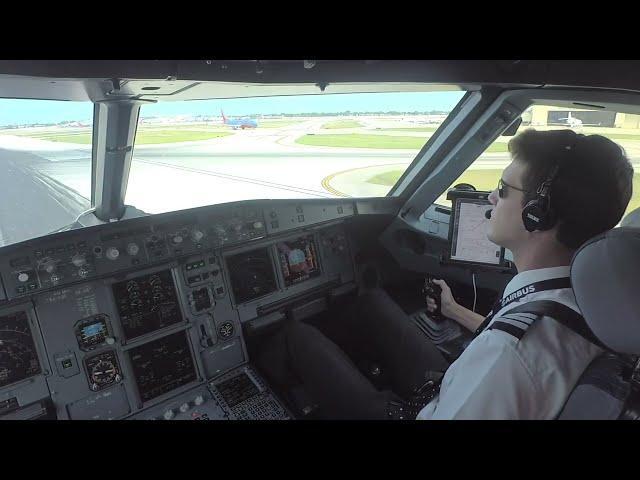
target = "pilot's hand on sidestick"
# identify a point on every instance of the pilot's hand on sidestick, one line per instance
(447, 302)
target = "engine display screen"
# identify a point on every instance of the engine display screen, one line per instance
(162, 365)
(147, 303)
(237, 389)
(298, 260)
(18, 357)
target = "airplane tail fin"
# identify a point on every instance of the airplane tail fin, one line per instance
(224, 119)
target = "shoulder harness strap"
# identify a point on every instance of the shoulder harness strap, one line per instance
(562, 314)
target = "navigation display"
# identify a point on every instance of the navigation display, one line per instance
(162, 365)
(468, 232)
(252, 274)
(18, 357)
(298, 260)
(147, 303)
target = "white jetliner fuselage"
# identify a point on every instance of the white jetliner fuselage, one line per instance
(572, 121)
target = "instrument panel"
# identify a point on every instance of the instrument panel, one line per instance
(117, 320)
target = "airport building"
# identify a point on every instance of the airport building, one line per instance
(544, 115)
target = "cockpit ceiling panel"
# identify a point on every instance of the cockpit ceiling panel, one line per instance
(202, 79)
(210, 90)
(620, 74)
(181, 90)
(79, 90)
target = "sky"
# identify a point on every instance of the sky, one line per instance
(20, 112)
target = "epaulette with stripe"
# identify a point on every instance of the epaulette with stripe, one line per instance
(517, 321)
(515, 324)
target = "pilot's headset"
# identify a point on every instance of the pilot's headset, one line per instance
(539, 214)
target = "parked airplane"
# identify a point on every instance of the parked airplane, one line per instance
(236, 123)
(572, 121)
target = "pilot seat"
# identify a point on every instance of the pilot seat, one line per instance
(604, 274)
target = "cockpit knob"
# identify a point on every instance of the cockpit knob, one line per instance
(50, 267)
(184, 407)
(257, 225)
(133, 249)
(196, 235)
(177, 239)
(199, 400)
(23, 277)
(113, 253)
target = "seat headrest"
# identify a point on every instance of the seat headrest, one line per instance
(632, 219)
(605, 275)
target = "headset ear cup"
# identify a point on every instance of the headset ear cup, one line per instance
(534, 215)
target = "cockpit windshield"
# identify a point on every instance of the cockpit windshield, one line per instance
(45, 166)
(194, 153)
(203, 152)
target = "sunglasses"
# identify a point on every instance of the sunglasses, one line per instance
(502, 192)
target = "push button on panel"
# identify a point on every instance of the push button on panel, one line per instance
(169, 415)
(133, 249)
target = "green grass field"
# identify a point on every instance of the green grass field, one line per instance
(408, 129)
(357, 140)
(487, 180)
(143, 137)
(342, 124)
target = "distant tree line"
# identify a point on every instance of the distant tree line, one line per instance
(305, 114)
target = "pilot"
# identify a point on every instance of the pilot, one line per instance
(586, 182)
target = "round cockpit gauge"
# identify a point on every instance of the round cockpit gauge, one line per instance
(103, 370)
(225, 330)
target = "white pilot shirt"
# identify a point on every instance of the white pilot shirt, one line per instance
(500, 377)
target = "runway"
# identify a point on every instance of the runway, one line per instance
(34, 203)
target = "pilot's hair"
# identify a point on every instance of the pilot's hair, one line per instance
(593, 184)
